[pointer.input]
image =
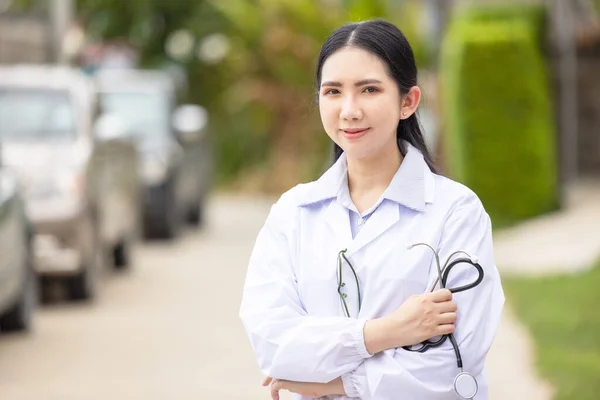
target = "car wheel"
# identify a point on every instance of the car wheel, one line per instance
(171, 227)
(168, 226)
(20, 316)
(83, 285)
(122, 255)
(195, 216)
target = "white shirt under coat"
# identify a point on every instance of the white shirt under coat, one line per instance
(291, 308)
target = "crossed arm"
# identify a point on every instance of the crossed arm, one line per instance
(420, 317)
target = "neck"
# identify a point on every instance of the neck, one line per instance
(369, 177)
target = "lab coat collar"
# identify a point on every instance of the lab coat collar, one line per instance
(411, 186)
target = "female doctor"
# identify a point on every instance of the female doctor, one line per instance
(335, 296)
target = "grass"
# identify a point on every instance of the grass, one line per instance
(563, 315)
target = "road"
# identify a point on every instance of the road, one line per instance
(169, 329)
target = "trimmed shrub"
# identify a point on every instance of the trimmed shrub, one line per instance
(499, 133)
(534, 16)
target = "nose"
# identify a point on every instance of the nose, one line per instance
(351, 110)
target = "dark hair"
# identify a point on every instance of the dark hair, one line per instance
(387, 42)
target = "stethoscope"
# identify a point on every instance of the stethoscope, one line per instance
(465, 384)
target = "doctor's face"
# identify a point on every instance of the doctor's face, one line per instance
(360, 103)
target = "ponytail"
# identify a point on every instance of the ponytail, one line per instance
(409, 129)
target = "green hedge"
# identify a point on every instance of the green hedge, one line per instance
(499, 135)
(534, 16)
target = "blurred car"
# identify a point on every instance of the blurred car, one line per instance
(175, 155)
(18, 282)
(82, 191)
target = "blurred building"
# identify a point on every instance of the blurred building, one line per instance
(24, 38)
(574, 38)
(42, 34)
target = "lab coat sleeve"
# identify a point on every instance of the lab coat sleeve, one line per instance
(288, 343)
(400, 374)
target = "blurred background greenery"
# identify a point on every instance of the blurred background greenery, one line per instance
(251, 63)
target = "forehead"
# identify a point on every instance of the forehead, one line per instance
(353, 63)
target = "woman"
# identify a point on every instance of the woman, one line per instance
(334, 299)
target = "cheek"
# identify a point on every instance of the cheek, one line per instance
(328, 117)
(392, 125)
(387, 117)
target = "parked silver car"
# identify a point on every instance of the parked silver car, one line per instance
(176, 159)
(82, 190)
(18, 282)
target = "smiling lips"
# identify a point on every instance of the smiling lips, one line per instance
(354, 133)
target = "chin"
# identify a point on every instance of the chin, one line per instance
(358, 154)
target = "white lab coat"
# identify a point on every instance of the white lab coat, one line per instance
(292, 311)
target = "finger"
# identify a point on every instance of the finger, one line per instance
(447, 318)
(275, 387)
(267, 381)
(444, 329)
(447, 306)
(441, 295)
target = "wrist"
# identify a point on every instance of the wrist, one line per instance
(336, 387)
(377, 335)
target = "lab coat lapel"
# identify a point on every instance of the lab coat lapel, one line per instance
(386, 216)
(336, 216)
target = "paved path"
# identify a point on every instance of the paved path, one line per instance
(561, 242)
(169, 330)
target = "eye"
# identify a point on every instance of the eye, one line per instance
(331, 91)
(371, 89)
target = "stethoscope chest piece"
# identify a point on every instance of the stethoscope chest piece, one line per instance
(465, 385)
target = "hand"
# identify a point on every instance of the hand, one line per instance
(420, 317)
(314, 390)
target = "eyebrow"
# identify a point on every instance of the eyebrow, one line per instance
(359, 83)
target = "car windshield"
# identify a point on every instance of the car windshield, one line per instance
(27, 114)
(145, 114)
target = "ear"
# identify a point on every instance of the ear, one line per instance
(410, 102)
